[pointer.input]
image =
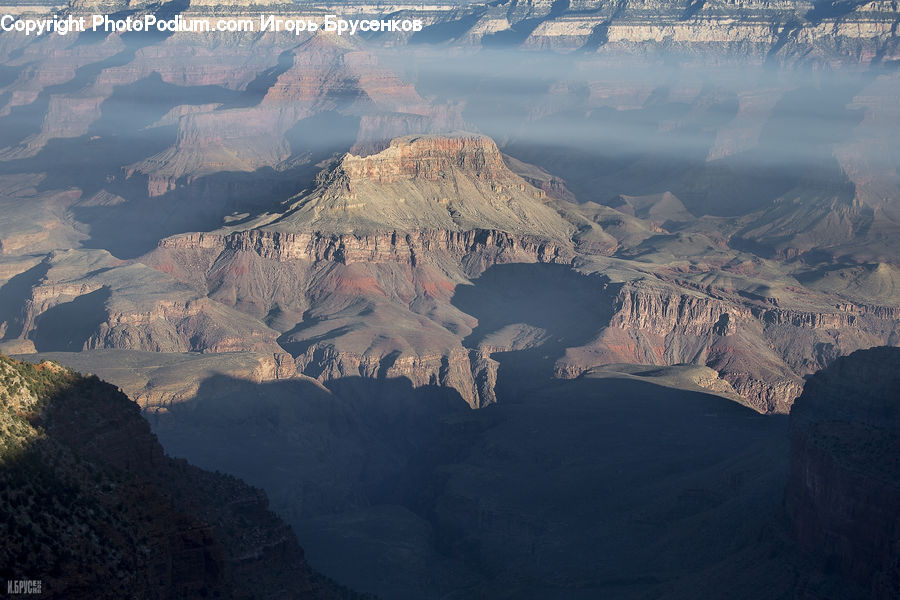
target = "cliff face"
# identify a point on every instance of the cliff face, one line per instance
(360, 275)
(79, 300)
(428, 158)
(490, 246)
(377, 305)
(360, 282)
(252, 111)
(786, 30)
(81, 469)
(843, 492)
(322, 75)
(762, 352)
(361, 271)
(750, 30)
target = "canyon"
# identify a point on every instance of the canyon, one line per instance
(753, 31)
(631, 235)
(358, 276)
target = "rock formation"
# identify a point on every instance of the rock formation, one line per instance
(321, 75)
(82, 299)
(303, 199)
(362, 270)
(93, 508)
(759, 30)
(843, 493)
(366, 264)
(358, 276)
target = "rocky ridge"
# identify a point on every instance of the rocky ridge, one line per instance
(81, 299)
(349, 266)
(321, 75)
(359, 274)
(381, 303)
(456, 182)
(81, 469)
(790, 31)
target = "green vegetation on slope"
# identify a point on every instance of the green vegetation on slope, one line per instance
(91, 506)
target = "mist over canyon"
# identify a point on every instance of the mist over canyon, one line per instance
(515, 306)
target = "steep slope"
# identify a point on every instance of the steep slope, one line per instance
(848, 210)
(359, 272)
(94, 509)
(843, 492)
(323, 75)
(446, 183)
(82, 299)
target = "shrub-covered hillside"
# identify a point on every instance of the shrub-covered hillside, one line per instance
(91, 506)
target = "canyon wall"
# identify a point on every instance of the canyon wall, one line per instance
(843, 492)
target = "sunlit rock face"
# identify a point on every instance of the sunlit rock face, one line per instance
(788, 31)
(376, 251)
(312, 196)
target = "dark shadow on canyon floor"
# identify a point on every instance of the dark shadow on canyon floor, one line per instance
(582, 489)
(12, 298)
(566, 307)
(68, 326)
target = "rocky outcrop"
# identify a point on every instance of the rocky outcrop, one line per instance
(95, 509)
(388, 237)
(658, 325)
(368, 261)
(484, 247)
(356, 276)
(451, 370)
(80, 300)
(843, 492)
(457, 182)
(792, 30)
(428, 158)
(323, 74)
(762, 352)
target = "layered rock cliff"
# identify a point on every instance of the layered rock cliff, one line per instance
(360, 275)
(322, 75)
(843, 492)
(795, 30)
(396, 246)
(360, 272)
(761, 351)
(79, 300)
